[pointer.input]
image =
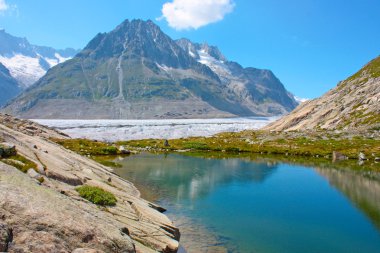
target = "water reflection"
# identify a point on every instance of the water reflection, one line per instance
(362, 190)
(246, 204)
(188, 178)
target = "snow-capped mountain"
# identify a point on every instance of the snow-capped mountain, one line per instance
(26, 62)
(228, 72)
(138, 72)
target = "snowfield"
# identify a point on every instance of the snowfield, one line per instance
(115, 130)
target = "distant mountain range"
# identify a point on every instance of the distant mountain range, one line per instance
(27, 63)
(137, 71)
(9, 87)
(353, 104)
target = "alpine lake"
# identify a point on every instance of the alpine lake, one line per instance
(241, 203)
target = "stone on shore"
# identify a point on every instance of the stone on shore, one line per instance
(337, 156)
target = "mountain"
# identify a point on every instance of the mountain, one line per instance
(353, 104)
(137, 71)
(26, 62)
(9, 88)
(251, 87)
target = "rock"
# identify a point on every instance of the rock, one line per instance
(85, 250)
(7, 149)
(166, 143)
(362, 156)
(81, 225)
(64, 177)
(124, 151)
(6, 237)
(337, 156)
(33, 174)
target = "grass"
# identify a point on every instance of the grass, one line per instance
(88, 147)
(101, 152)
(303, 146)
(20, 163)
(316, 145)
(97, 195)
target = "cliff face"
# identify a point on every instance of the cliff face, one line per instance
(353, 104)
(52, 217)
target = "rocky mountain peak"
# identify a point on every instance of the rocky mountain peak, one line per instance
(138, 39)
(194, 49)
(212, 51)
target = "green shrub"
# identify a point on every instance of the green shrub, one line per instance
(97, 195)
(109, 150)
(196, 146)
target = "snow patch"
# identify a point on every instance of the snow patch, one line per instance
(60, 58)
(27, 70)
(215, 65)
(301, 100)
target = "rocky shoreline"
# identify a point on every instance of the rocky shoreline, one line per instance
(48, 215)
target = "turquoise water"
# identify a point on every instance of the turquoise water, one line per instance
(239, 205)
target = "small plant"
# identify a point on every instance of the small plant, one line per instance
(20, 163)
(97, 195)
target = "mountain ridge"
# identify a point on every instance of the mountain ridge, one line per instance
(137, 71)
(352, 104)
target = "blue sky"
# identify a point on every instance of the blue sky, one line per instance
(309, 44)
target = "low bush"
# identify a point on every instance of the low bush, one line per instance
(97, 195)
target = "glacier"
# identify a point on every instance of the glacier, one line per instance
(117, 130)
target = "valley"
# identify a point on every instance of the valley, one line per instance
(163, 135)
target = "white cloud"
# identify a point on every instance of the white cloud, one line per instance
(3, 5)
(192, 14)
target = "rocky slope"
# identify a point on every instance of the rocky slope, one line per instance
(353, 104)
(9, 88)
(137, 71)
(52, 217)
(26, 62)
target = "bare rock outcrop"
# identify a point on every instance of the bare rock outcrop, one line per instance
(52, 217)
(353, 104)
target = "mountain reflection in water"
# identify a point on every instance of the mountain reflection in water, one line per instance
(247, 204)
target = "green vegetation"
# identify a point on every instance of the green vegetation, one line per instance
(20, 163)
(372, 69)
(96, 150)
(88, 147)
(359, 118)
(317, 144)
(97, 195)
(292, 146)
